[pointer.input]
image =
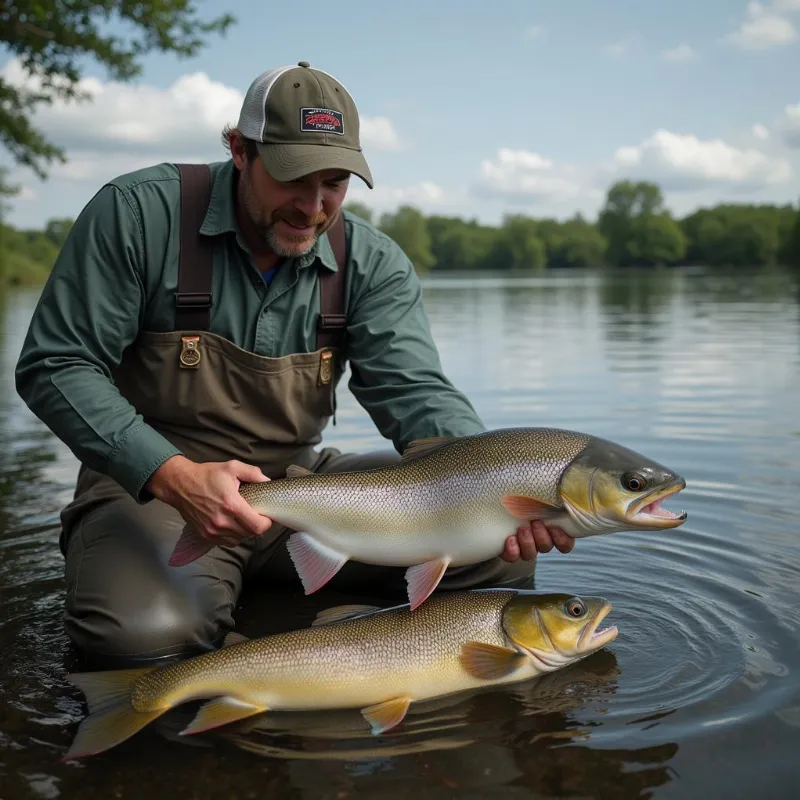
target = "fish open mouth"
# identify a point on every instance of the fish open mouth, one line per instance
(592, 639)
(648, 510)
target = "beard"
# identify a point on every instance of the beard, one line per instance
(284, 245)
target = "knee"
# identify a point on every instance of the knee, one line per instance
(145, 629)
(495, 572)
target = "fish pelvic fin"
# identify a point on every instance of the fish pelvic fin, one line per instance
(315, 562)
(386, 715)
(422, 579)
(529, 508)
(111, 718)
(190, 547)
(221, 711)
(488, 661)
(338, 613)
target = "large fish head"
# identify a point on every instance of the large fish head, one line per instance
(556, 629)
(609, 488)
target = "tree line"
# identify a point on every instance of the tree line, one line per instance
(56, 41)
(633, 228)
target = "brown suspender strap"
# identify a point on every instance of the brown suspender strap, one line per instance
(193, 298)
(332, 320)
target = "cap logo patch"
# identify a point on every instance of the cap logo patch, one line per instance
(321, 120)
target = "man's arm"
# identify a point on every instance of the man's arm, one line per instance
(397, 377)
(396, 373)
(90, 309)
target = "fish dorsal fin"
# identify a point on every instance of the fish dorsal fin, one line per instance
(232, 638)
(296, 471)
(339, 613)
(421, 447)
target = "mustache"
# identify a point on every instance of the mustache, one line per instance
(299, 220)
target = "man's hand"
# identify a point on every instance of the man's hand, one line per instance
(207, 497)
(528, 542)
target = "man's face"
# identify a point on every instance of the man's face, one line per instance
(290, 216)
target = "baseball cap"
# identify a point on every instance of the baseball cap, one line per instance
(303, 120)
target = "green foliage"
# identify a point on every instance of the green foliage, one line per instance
(53, 39)
(359, 209)
(739, 235)
(655, 240)
(408, 228)
(791, 247)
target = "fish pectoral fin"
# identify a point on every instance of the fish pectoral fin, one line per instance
(421, 447)
(190, 547)
(339, 613)
(315, 562)
(489, 661)
(220, 711)
(422, 579)
(383, 716)
(232, 638)
(528, 508)
(296, 471)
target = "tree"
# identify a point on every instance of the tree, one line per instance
(52, 39)
(655, 240)
(408, 228)
(520, 242)
(574, 243)
(359, 209)
(625, 202)
(791, 252)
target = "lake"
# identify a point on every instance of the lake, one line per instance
(698, 696)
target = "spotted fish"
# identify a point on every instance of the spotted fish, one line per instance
(454, 501)
(377, 660)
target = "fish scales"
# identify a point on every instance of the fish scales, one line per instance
(387, 648)
(396, 498)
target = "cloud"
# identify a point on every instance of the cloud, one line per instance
(680, 54)
(127, 126)
(790, 126)
(425, 195)
(524, 176)
(761, 132)
(378, 133)
(533, 31)
(683, 162)
(766, 27)
(616, 50)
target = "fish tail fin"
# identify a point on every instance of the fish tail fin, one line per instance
(111, 718)
(190, 547)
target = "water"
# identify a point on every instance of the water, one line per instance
(698, 696)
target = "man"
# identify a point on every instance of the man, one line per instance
(176, 351)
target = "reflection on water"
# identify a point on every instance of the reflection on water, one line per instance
(698, 370)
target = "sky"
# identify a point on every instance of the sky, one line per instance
(473, 109)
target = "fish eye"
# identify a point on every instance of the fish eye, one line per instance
(575, 608)
(634, 482)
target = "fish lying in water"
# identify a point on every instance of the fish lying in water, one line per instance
(376, 660)
(454, 501)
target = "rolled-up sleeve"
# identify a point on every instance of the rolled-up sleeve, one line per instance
(396, 372)
(89, 311)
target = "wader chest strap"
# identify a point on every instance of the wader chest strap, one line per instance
(332, 320)
(193, 298)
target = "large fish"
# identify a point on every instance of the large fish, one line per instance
(376, 660)
(454, 501)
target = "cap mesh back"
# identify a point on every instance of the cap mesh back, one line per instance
(253, 117)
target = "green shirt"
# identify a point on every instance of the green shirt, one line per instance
(117, 273)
